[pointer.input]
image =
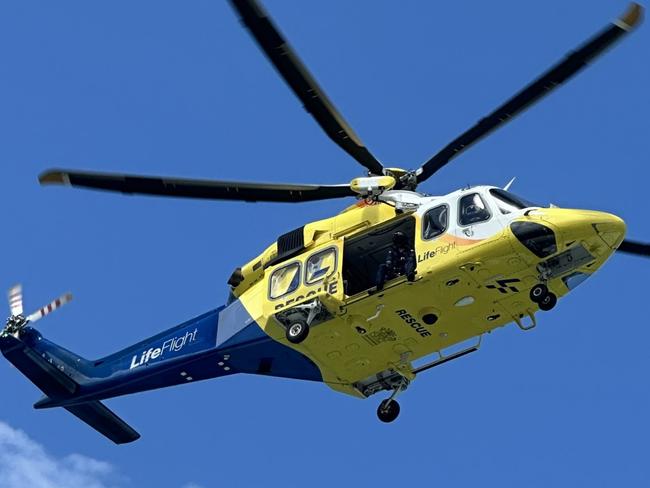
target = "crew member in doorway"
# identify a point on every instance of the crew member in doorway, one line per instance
(399, 261)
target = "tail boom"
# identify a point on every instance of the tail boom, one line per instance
(218, 343)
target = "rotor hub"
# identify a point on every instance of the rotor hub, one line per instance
(372, 186)
(404, 179)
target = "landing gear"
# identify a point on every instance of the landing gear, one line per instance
(548, 302)
(388, 410)
(538, 292)
(541, 295)
(297, 332)
(299, 319)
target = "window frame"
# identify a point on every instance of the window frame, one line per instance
(336, 265)
(288, 265)
(485, 204)
(498, 194)
(431, 210)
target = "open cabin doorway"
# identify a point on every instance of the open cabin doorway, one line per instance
(363, 254)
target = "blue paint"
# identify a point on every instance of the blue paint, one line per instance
(221, 342)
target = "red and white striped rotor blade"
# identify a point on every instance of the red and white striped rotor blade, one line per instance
(15, 295)
(50, 307)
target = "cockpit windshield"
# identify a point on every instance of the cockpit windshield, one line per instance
(509, 202)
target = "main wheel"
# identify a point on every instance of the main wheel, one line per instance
(548, 302)
(388, 410)
(538, 292)
(297, 332)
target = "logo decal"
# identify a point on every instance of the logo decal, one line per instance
(378, 336)
(174, 344)
(505, 286)
(329, 288)
(413, 322)
(443, 249)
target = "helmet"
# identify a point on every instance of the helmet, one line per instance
(399, 238)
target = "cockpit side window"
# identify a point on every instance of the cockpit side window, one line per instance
(509, 202)
(284, 280)
(472, 209)
(435, 222)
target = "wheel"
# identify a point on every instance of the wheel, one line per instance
(297, 332)
(388, 410)
(538, 292)
(548, 302)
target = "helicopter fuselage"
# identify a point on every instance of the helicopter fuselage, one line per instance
(475, 270)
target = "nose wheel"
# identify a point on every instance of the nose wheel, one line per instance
(538, 292)
(541, 295)
(548, 302)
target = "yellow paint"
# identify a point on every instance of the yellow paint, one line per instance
(370, 333)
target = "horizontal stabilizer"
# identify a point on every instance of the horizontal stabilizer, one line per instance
(100, 418)
(57, 383)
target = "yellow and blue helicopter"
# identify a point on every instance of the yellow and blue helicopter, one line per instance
(310, 305)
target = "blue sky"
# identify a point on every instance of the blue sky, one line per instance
(179, 88)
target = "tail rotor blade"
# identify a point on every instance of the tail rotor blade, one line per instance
(50, 307)
(15, 296)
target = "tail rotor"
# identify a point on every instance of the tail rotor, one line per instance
(15, 296)
(17, 321)
(49, 308)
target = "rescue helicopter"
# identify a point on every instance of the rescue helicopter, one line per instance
(309, 306)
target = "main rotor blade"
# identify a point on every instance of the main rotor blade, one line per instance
(634, 247)
(302, 83)
(550, 80)
(206, 189)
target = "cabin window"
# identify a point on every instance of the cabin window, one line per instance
(509, 202)
(320, 265)
(435, 222)
(473, 210)
(284, 280)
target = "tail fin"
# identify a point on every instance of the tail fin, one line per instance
(217, 343)
(57, 382)
(78, 385)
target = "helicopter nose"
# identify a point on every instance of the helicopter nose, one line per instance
(610, 229)
(549, 231)
(601, 232)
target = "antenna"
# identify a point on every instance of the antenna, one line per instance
(509, 184)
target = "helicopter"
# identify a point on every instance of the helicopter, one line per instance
(310, 306)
